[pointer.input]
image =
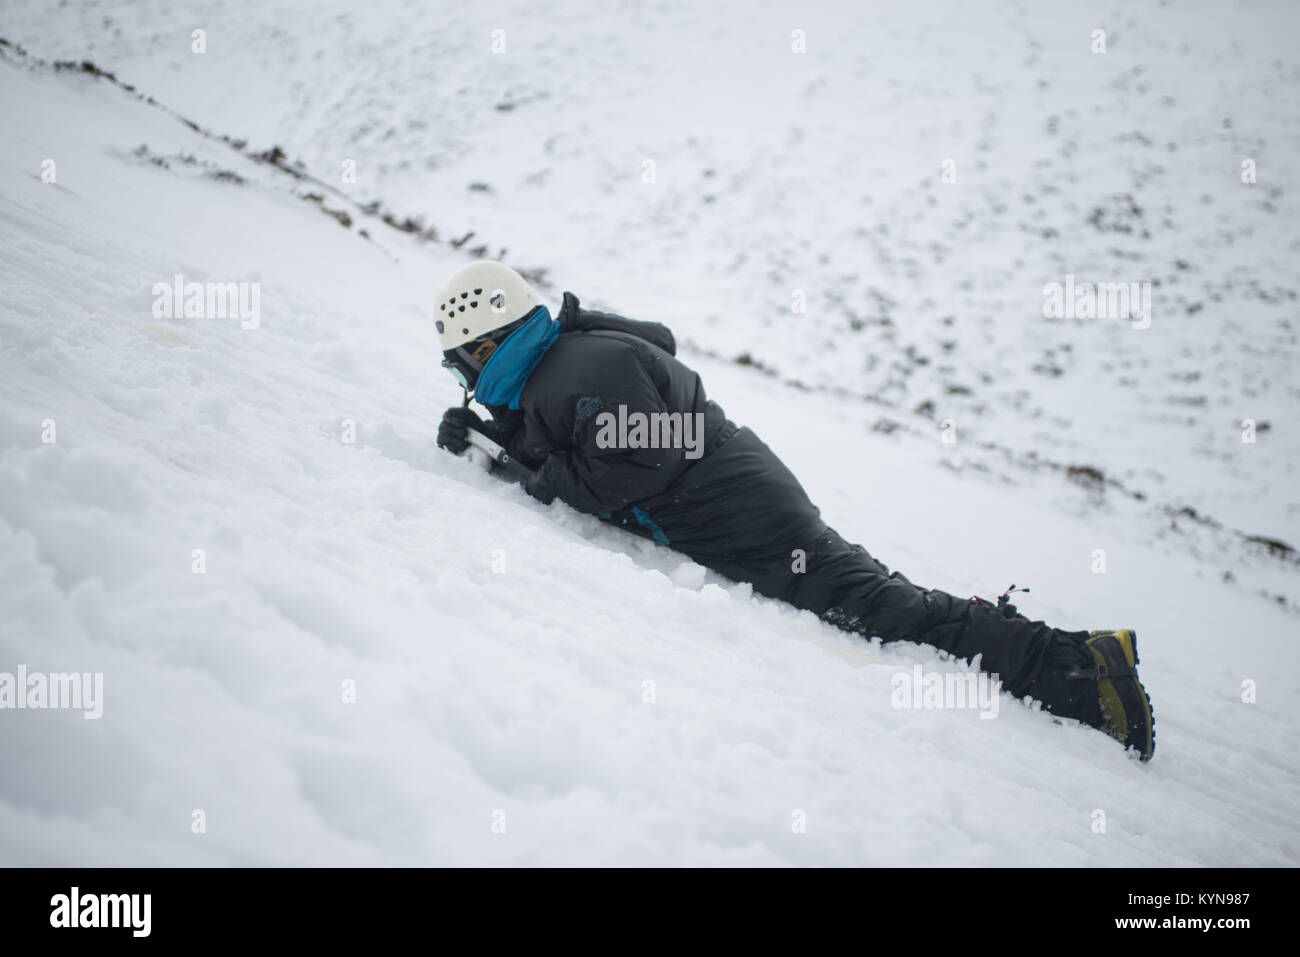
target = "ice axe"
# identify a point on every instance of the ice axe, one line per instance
(495, 453)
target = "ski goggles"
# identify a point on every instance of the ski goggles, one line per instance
(457, 372)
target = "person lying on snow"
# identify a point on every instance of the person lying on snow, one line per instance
(556, 386)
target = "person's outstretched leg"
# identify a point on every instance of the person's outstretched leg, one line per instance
(1074, 674)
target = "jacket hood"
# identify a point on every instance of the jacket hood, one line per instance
(573, 318)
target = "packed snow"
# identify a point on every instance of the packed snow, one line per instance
(325, 641)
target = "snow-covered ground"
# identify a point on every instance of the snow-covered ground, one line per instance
(530, 686)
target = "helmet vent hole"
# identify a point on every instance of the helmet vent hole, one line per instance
(464, 295)
(465, 331)
(473, 304)
(440, 326)
(478, 292)
(460, 308)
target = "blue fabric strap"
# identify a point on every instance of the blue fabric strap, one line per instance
(644, 518)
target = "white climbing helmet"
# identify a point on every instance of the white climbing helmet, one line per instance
(479, 298)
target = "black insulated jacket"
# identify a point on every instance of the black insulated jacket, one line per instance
(736, 501)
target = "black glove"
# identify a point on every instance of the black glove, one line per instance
(503, 425)
(458, 420)
(453, 432)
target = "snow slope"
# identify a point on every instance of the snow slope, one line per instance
(501, 650)
(821, 173)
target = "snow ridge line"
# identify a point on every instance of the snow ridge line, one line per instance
(276, 158)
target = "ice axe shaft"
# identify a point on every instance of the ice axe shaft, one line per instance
(498, 455)
(495, 452)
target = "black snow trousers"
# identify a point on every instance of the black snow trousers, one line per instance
(844, 586)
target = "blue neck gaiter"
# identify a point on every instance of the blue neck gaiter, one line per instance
(502, 380)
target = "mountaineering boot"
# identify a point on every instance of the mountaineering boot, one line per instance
(1088, 676)
(1125, 707)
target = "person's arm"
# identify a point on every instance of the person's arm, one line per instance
(594, 474)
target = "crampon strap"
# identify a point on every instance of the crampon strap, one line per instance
(1103, 671)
